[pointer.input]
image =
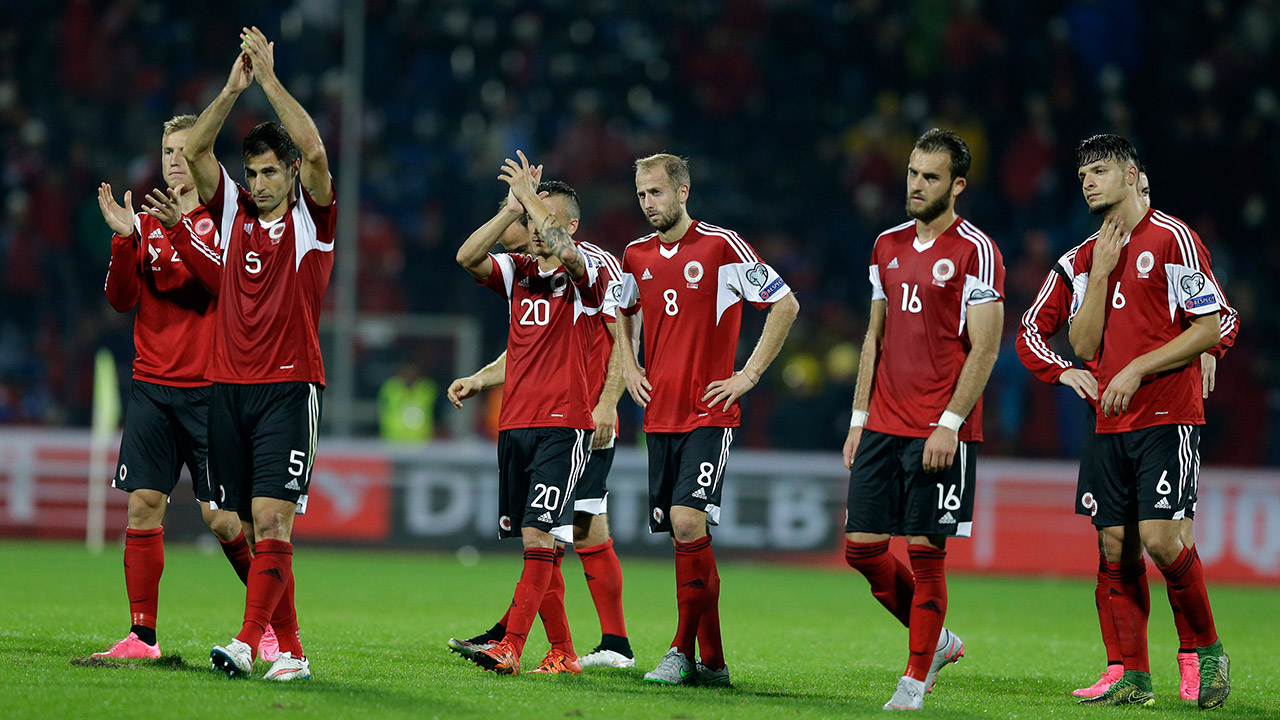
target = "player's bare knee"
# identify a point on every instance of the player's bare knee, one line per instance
(146, 509)
(688, 524)
(535, 538)
(225, 525)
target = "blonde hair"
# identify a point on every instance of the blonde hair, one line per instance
(178, 122)
(676, 167)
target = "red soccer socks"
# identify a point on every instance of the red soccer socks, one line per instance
(696, 591)
(270, 574)
(891, 581)
(238, 554)
(1130, 601)
(554, 620)
(143, 565)
(539, 564)
(1187, 591)
(928, 607)
(604, 580)
(1102, 599)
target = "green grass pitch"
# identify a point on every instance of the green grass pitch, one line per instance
(801, 642)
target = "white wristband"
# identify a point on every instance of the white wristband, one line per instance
(858, 420)
(950, 421)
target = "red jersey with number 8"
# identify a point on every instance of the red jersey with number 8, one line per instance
(691, 292)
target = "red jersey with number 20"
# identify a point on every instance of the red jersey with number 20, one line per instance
(1161, 282)
(275, 275)
(691, 292)
(928, 290)
(552, 318)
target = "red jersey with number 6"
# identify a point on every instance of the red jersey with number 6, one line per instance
(928, 289)
(552, 318)
(1161, 282)
(271, 278)
(691, 292)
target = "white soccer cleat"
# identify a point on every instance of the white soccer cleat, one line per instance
(287, 668)
(675, 669)
(236, 659)
(908, 696)
(607, 658)
(950, 649)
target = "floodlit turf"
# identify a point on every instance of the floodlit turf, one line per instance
(800, 642)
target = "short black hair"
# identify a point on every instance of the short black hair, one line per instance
(939, 140)
(271, 136)
(562, 189)
(1107, 147)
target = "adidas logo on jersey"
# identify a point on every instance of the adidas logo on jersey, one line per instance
(947, 519)
(155, 234)
(292, 485)
(893, 264)
(700, 494)
(544, 517)
(647, 275)
(524, 282)
(1163, 504)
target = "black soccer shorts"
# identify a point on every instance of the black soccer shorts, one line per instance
(164, 428)
(687, 469)
(1147, 474)
(1086, 503)
(538, 471)
(890, 492)
(262, 442)
(592, 493)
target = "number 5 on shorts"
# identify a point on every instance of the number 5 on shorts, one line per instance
(297, 463)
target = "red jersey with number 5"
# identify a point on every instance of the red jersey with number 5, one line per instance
(271, 278)
(552, 319)
(1161, 282)
(691, 292)
(928, 290)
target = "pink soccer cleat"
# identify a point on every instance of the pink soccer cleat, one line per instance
(269, 646)
(131, 648)
(1189, 669)
(1110, 676)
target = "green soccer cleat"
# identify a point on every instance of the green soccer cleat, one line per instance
(1215, 676)
(1126, 691)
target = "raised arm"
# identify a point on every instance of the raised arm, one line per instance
(315, 162)
(473, 256)
(124, 276)
(781, 315)
(522, 177)
(1087, 325)
(866, 378)
(199, 148)
(491, 375)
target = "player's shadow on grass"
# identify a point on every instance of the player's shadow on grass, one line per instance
(172, 662)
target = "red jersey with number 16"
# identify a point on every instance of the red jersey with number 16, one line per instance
(273, 277)
(928, 289)
(552, 318)
(691, 292)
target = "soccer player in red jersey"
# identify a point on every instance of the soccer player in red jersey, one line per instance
(590, 520)
(545, 425)
(1146, 305)
(1046, 316)
(166, 420)
(267, 373)
(689, 279)
(937, 306)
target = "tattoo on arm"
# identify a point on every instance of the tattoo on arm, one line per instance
(561, 244)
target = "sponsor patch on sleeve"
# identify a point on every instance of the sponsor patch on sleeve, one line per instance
(772, 288)
(1198, 302)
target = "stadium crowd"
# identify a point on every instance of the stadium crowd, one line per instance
(796, 115)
